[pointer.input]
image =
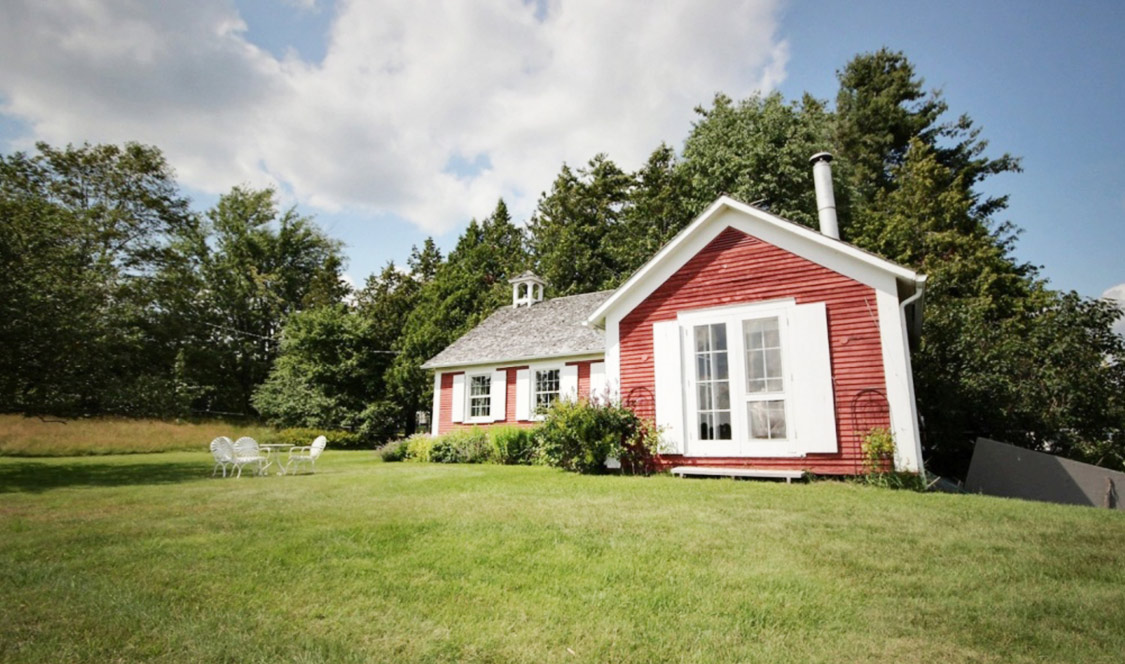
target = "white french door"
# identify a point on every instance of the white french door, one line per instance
(735, 372)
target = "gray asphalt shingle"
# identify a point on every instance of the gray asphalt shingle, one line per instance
(546, 329)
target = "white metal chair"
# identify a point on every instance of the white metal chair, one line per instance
(306, 454)
(246, 453)
(223, 452)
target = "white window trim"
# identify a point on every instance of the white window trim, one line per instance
(740, 445)
(533, 370)
(481, 419)
(784, 395)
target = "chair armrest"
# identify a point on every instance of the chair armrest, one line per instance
(305, 448)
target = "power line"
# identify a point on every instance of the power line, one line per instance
(274, 338)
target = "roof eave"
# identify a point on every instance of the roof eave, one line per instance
(514, 360)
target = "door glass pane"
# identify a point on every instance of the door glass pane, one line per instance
(704, 397)
(702, 339)
(763, 355)
(703, 367)
(773, 362)
(722, 425)
(777, 419)
(767, 419)
(722, 396)
(712, 368)
(719, 336)
(759, 420)
(772, 334)
(755, 371)
(721, 370)
(706, 426)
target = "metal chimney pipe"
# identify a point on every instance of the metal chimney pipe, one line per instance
(825, 198)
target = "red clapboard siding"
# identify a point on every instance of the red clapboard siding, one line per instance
(445, 407)
(736, 268)
(583, 377)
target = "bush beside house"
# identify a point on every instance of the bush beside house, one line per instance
(578, 437)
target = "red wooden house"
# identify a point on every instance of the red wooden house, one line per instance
(752, 341)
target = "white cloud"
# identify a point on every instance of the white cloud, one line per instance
(404, 87)
(1117, 294)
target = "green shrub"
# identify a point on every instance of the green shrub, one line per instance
(878, 450)
(879, 462)
(638, 455)
(418, 447)
(580, 436)
(512, 445)
(463, 446)
(393, 451)
(336, 439)
(379, 422)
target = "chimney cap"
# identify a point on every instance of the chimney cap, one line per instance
(820, 156)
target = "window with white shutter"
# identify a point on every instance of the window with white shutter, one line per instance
(480, 398)
(759, 383)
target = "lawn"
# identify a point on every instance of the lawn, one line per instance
(147, 558)
(32, 436)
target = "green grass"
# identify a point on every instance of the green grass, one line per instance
(31, 436)
(146, 558)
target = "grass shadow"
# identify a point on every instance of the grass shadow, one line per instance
(37, 477)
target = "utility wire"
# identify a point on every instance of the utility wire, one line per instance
(274, 338)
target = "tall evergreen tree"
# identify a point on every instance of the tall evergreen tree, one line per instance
(757, 150)
(658, 207)
(464, 290)
(572, 233)
(1002, 355)
(424, 262)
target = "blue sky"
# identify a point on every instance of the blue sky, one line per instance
(390, 121)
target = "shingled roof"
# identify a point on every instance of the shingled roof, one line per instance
(552, 328)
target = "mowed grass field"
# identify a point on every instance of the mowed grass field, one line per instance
(147, 558)
(32, 436)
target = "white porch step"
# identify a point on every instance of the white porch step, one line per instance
(716, 471)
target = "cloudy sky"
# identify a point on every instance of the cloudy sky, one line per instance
(393, 120)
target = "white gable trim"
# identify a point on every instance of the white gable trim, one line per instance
(726, 212)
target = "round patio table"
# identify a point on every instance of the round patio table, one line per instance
(273, 451)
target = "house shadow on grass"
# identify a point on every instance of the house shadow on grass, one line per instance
(36, 477)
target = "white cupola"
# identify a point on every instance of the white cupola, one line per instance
(527, 289)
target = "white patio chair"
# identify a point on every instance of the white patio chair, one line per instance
(306, 454)
(247, 453)
(223, 452)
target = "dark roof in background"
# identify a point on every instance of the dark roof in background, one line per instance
(550, 328)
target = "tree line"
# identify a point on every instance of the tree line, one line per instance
(116, 298)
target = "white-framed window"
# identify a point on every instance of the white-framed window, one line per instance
(480, 398)
(765, 378)
(712, 382)
(541, 385)
(764, 367)
(735, 364)
(546, 388)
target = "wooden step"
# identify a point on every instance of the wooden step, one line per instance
(760, 473)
